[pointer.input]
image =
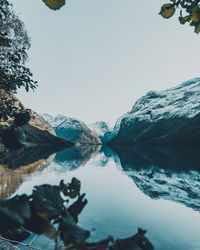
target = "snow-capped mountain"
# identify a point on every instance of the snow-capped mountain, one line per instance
(103, 130)
(171, 116)
(72, 129)
(100, 127)
(54, 120)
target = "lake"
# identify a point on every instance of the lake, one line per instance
(157, 189)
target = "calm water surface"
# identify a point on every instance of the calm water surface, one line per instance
(117, 205)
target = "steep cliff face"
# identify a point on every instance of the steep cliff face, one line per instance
(72, 129)
(170, 117)
(36, 132)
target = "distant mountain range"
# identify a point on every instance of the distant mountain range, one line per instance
(166, 117)
(72, 129)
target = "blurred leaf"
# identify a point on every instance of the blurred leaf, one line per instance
(71, 232)
(15, 212)
(136, 242)
(195, 14)
(47, 201)
(50, 231)
(167, 10)
(72, 189)
(76, 208)
(197, 28)
(184, 19)
(44, 213)
(54, 4)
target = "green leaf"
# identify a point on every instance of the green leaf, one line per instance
(195, 14)
(54, 4)
(167, 10)
(184, 19)
(197, 28)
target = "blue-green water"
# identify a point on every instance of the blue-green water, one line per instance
(122, 197)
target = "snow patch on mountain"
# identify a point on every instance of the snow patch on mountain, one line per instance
(100, 127)
(181, 101)
(72, 129)
(171, 116)
(54, 120)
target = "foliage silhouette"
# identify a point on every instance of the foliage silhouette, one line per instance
(14, 44)
(46, 212)
(189, 12)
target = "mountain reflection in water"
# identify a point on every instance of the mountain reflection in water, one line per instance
(156, 188)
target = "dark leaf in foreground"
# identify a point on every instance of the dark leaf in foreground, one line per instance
(14, 212)
(54, 4)
(136, 242)
(47, 201)
(76, 208)
(44, 212)
(71, 232)
(72, 189)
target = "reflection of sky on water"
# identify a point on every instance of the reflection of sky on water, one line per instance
(116, 206)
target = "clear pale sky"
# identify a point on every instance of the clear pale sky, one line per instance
(94, 58)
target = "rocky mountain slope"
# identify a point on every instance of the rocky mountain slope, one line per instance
(35, 132)
(166, 117)
(72, 129)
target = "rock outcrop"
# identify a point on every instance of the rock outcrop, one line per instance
(167, 117)
(72, 130)
(37, 132)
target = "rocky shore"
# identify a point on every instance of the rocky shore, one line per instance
(37, 132)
